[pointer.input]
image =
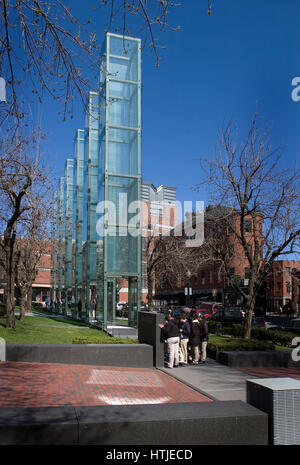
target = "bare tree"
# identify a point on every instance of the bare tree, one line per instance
(45, 49)
(168, 260)
(33, 243)
(261, 214)
(22, 179)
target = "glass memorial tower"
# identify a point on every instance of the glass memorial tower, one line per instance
(119, 182)
(98, 227)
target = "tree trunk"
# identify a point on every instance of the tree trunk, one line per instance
(10, 282)
(150, 291)
(29, 299)
(249, 308)
(22, 303)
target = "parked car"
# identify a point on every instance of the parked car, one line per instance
(207, 308)
(121, 305)
(258, 322)
(291, 325)
(229, 315)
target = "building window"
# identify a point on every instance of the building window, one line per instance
(202, 277)
(288, 287)
(249, 247)
(230, 250)
(279, 287)
(248, 226)
(247, 273)
(288, 271)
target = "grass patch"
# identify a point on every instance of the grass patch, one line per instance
(44, 330)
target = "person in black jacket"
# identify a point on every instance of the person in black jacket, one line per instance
(195, 340)
(203, 337)
(171, 333)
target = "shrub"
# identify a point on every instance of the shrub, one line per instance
(212, 326)
(229, 345)
(259, 334)
(237, 330)
(103, 340)
(277, 337)
(215, 327)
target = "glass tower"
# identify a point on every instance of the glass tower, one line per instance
(90, 199)
(99, 245)
(78, 212)
(68, 226)
(119, 226)
(61, 241)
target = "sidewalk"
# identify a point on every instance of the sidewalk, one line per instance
(220, 382)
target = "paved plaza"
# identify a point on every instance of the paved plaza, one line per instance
(224, 383)
(52, 385)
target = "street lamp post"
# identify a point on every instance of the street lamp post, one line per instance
(188, 291)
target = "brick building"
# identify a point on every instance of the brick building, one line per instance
(211, 283)
(42, 284)
(284, 286)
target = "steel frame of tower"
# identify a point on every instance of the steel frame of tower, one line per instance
(119, 256)
(78, 213)
(108, 165)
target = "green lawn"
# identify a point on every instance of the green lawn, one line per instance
(44, 330)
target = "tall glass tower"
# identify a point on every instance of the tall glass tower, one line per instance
(78, 212)
(98, 199)
(119, 230)
(68, 227)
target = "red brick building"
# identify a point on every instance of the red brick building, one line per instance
(42, 283)
(284, 286)
(211, 282)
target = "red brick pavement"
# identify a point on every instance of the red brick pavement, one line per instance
(269, 372)
(52, 385)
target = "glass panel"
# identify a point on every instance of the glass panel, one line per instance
(123, 105)
(124, 190)
(122, 151)
(133, 300)
(124, 47)
(122, 254)
(123, 60)
(110, 300)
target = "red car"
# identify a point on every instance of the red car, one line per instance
(207, 309)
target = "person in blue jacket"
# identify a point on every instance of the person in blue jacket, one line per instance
(185, 331)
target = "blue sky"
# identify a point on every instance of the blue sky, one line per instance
(216, 68)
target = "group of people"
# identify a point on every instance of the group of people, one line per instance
(186, 339)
